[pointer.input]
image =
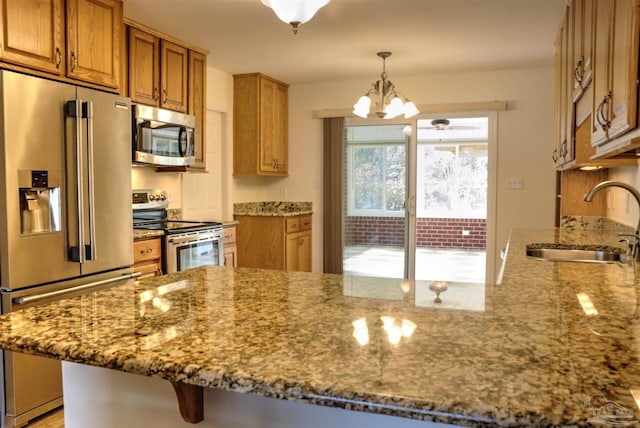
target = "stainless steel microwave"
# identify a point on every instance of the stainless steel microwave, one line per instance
(162, 137)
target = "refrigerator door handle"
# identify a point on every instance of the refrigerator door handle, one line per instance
(74, 110)
(84, 287)
(87, 113)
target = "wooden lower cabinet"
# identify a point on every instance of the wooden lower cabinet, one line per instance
(274, 242)
(147, 257)
(230, 248)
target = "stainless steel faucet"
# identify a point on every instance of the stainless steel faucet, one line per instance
(635, 250)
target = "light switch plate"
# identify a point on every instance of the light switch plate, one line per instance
(515, 183)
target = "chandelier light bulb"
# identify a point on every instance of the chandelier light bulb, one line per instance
(394, 108)
(362, 107)
(295, 12)
(410, 110)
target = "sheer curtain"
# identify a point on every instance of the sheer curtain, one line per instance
(333, 161)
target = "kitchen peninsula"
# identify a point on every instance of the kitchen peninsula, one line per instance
(532, 357)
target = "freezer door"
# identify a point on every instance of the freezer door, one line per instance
(32, 136)
(108, 229)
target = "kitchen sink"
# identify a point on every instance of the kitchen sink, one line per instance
(577, 254)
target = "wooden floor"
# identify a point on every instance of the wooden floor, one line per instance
(53, 419)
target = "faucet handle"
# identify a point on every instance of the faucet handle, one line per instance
(634, 248)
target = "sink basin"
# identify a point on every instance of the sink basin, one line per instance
(577, 255)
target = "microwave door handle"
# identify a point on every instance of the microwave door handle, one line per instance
(74, 110)
(183, 129)
(87, 112)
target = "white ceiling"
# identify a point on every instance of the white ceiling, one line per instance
(341, 41)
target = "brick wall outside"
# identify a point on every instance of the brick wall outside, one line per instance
(431, 232)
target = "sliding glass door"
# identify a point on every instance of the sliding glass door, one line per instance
(416, 202)
(374, 197)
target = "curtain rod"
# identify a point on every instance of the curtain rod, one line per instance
(424, 108)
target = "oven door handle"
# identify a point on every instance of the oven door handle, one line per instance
(84, 287)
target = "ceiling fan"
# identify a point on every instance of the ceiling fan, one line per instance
(444, 124)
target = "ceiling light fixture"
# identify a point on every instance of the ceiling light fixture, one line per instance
(295, 12)
(389, 103)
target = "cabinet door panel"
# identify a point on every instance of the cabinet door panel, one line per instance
(32, 34)
(624, 67)
(292, 248)
(602, 32)
(230, 259)
(197, 104)
(587, 42)
(144, 67)
(267, 123)
(173, 74)
(304, 253)
(281, 128)
(93, 41)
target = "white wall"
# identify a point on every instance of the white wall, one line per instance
(146, 177)
(621, 206)
(525, 140)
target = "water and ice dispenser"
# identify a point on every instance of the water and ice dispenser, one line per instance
(39, 201)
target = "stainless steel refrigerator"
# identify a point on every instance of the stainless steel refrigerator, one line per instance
(65, 213)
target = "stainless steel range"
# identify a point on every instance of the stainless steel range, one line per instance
(186, 244)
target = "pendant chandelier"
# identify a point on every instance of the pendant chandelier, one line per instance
(389, 103)
(295, 12)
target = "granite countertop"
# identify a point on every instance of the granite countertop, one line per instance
(529, 357)
(272, 208)
(146, 233)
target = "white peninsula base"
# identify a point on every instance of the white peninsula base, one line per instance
(101, 398)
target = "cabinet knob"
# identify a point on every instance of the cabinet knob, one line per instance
(58, 58)
(74, 62)
(578, 72)
(601, 115)
(156, 94)
(164, 95)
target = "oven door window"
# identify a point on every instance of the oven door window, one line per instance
(197, 254)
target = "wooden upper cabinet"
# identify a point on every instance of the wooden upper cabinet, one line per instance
(197, 104)
(615, 69)
(33, 34)
(68, 40)
(174, 62)
(93, 41)
(144, 67)
(157, 70)
(273, 130)
(564, 151)
(260, 125)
